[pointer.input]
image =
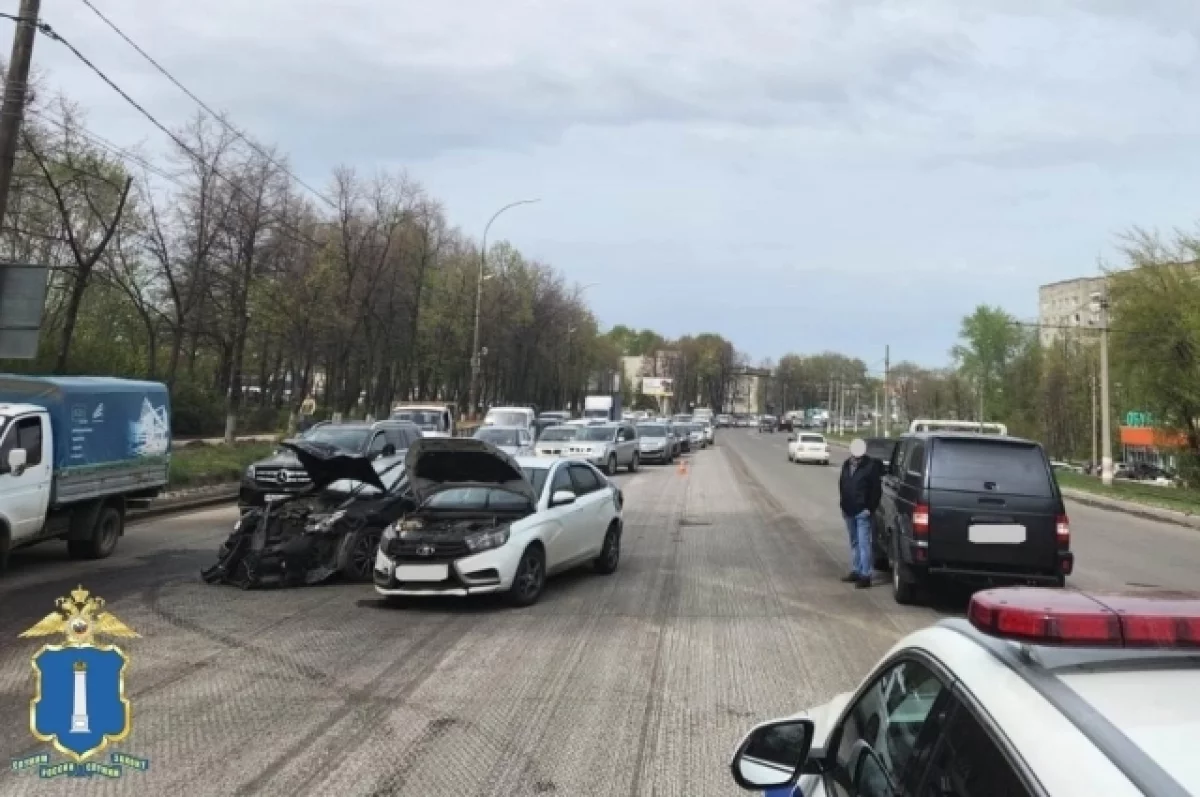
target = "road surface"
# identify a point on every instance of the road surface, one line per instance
(726, 610)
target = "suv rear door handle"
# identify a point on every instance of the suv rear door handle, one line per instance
(992, 501)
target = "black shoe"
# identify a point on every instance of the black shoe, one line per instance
(849, 578)
(862, 583)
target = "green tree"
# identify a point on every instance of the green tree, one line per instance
(991, 340)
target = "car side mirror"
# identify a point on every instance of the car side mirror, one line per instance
(16, 461)
(791, 438)
(561, 498)
(389, 450)
(772, 754)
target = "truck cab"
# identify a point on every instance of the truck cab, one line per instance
(26, 466)
(75, 452)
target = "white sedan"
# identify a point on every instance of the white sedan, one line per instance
(808, 447)
(486, 522)
(1039, 692)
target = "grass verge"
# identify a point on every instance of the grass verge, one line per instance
(1177, 498)
(202, 465)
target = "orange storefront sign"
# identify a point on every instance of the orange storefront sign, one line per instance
(1149, 437)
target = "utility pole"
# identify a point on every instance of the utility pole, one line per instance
(829, 411)
(887, 391)
(855, 406)
(876, 416)
(1106, 459)
(1095, 418)
(841, 408)
(16, 87)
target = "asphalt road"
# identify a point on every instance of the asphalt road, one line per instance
(726, 610)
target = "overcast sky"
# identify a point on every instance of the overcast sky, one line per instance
(796, 175)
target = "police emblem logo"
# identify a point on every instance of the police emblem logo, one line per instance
(79, 705)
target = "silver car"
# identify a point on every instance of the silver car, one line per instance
(608, 446)
(516, 441)
(655, 443)
(555, 439)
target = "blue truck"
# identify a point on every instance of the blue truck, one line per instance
(75, 453)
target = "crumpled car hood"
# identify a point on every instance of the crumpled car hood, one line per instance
(326, 464)
(435, 464)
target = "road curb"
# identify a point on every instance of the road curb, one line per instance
(199, 499)
(1128, 508)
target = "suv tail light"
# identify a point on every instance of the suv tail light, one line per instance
(1062, 531)
(920, 521)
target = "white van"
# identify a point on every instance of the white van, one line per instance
(510, 416)
(434, 420)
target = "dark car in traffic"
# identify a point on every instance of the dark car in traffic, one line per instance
(281, 475)
(982, 508)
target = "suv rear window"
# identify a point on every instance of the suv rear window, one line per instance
(1015, 468)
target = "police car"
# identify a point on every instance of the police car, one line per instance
(1038, 692)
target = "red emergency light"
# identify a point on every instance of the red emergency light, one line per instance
(1061, 617)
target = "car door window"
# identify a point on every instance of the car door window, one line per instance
(585, 479)
(27, 434)
(902, 448)
(915, 462)
(562, 481)
(377, 443)
(968, 763)
(888, 719)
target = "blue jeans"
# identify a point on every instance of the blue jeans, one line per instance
(859, 528)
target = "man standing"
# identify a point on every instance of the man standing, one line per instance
(860, 489)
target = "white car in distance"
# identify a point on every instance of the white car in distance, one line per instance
(808, 447)
(488, 523)
(516, 441)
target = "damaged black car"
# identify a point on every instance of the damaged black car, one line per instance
(329, 531)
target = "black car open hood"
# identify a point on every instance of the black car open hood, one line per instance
(326, 464)
(440, 463)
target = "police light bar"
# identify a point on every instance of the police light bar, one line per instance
(1059, 617)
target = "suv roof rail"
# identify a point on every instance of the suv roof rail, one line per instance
(984, 427)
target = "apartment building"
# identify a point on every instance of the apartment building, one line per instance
(1066, 304)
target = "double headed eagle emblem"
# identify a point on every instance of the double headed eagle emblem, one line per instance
(81, 618)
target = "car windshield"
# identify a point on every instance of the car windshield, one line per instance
(554, 435)
(498, 437)
(428, 420)
(652, 430)
(351, 439)
(596, 433)
(476, 498)
(507, 418)
(811, 438)
(536, 477)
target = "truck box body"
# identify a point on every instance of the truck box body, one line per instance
(610, 406)
(111, 436)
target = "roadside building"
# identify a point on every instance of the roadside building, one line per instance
(1141, 441)
(1066, 304)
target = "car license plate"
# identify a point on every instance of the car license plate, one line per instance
(270, 497)
(996, 533)
(422, 572)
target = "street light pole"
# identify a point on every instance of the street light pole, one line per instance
(1106, 458)
(473, 394)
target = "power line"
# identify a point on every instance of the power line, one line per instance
(50, 32)
(228, 126)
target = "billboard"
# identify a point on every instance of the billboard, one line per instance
(22, 296)
(658, 386)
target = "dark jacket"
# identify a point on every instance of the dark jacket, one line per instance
(861, 489)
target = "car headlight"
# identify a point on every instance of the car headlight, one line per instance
(250, 473)
(486, 540)
(324, 523)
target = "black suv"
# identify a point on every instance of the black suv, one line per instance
(976, 507)
(281, 474)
